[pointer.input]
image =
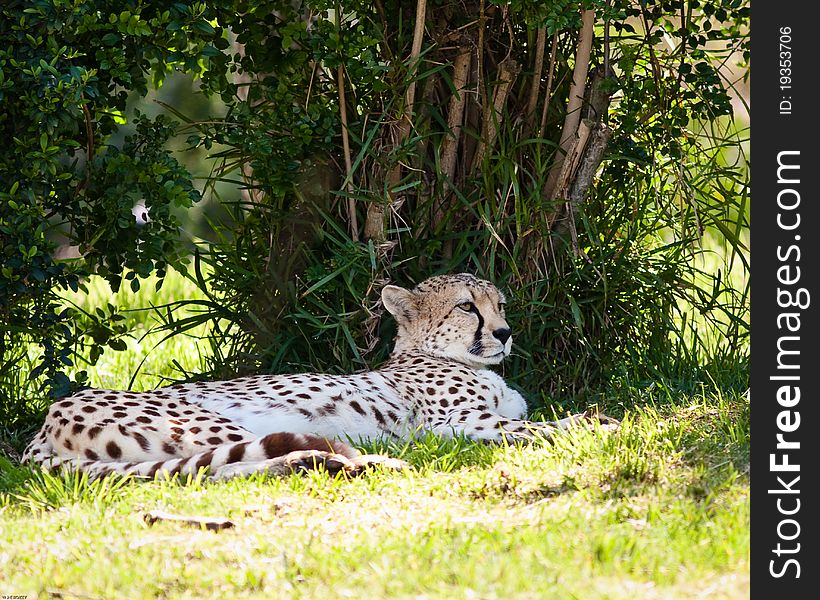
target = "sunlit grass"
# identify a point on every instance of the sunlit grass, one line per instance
(657, 510)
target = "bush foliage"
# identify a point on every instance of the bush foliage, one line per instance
(373, 142)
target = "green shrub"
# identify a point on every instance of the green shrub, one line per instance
(346, 184)
(66, 69)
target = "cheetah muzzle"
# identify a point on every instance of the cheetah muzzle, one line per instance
(450, 329)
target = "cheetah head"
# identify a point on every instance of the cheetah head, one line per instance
(459, 317)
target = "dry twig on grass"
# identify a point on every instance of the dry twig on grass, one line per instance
(209, 523)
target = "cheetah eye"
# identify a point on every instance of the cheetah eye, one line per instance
(501, 306)
(466, 306)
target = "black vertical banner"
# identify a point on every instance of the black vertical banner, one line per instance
(785, 295)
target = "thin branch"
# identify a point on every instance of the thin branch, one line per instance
(89, 148)
(429, 177)
(415, 52)
(89, 133)
(548, 92)
(540, 44)
(505, 13)
(656, 67)
(482, 25)
(507, 72)
(607, 57)
(383, 17)
(374, 225)
(251, 192)
(685, 18)
(351, 203)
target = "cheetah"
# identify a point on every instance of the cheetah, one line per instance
(450, 330)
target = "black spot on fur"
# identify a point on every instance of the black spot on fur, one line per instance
(141, 440)
(114, 451)
(205, 460)
(152, 471)
(327, 409)
(236, 453)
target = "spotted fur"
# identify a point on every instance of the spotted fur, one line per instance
(450, 329)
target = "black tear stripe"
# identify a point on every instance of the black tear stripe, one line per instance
(477, 346)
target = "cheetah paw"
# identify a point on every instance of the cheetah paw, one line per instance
(310, 460)
(368, 461)
(607, 423)
(293, 462)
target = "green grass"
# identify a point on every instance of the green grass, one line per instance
(659, 509)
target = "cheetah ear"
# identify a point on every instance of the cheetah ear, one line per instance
(400, 303)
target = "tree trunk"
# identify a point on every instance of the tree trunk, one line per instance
(450, 144)
(532, 103)
(375, 223)
(576, 99)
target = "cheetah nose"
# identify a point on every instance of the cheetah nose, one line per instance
(502, 335)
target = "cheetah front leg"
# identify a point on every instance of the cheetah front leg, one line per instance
(488, 426)
(308, 460)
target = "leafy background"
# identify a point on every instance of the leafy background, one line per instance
(264, 152)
